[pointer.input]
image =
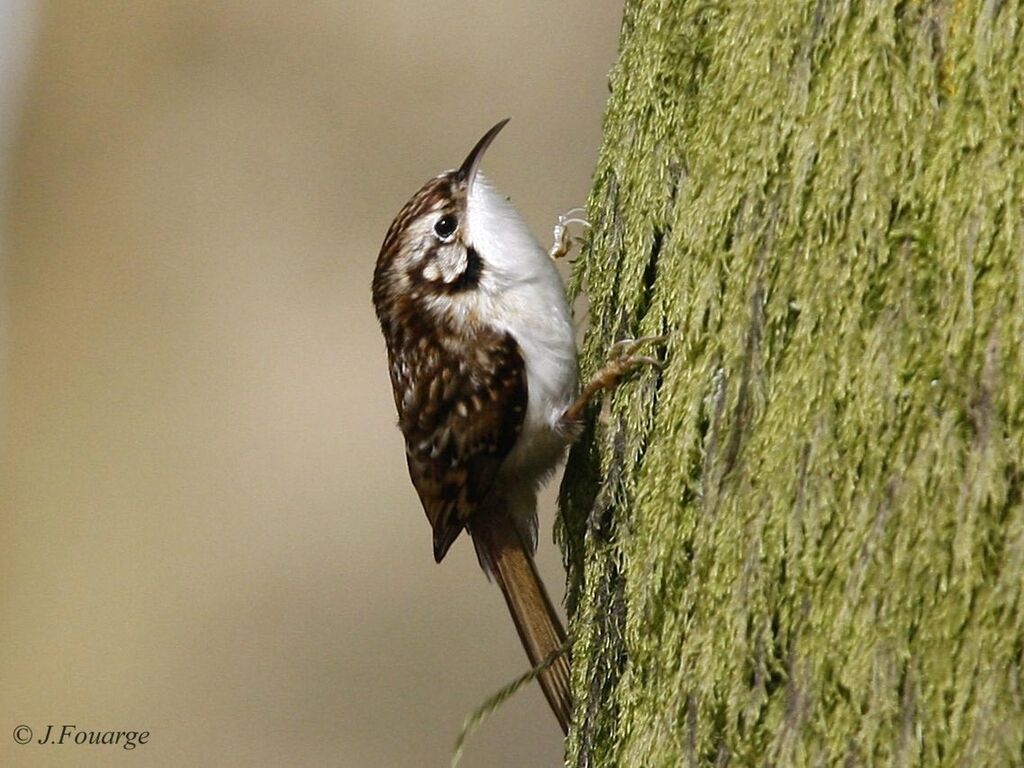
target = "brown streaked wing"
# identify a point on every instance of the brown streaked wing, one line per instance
(463, 415)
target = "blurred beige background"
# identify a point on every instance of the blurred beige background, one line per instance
(207, 527)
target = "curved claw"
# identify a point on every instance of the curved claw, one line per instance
(632, 361)
(563, 241)
(624, 347)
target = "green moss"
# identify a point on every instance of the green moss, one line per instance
(807, 543)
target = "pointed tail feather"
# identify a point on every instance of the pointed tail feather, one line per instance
(501, 547)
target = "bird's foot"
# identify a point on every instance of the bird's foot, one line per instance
(563, 241)
(622, 360)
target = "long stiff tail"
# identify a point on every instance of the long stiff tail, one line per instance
(500, 545)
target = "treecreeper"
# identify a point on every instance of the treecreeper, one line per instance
(482, 356)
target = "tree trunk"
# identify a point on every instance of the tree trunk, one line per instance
(801, 542)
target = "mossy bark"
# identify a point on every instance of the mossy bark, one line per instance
(801, 542)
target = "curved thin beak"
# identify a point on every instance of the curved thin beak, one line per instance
(469, 167)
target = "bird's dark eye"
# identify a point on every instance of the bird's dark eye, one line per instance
(445, 226)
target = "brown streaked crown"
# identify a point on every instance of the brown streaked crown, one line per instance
(415, 257)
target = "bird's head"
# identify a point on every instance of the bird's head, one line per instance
(430, 249)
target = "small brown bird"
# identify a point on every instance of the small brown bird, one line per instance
(482, 358)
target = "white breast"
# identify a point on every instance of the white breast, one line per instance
(522, 292)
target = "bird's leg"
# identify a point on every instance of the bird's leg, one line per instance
(564, 242)
(621, 360)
